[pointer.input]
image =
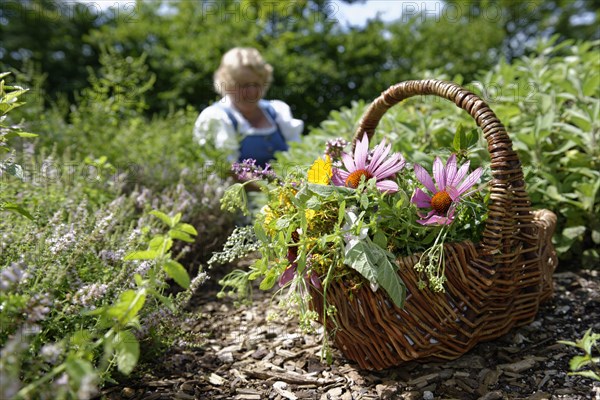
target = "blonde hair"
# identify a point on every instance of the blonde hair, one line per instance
(236, 59)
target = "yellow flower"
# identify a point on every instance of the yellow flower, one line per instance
(320, 172)
(310, 214)
(267, 215)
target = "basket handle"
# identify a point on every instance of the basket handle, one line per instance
(509, 207)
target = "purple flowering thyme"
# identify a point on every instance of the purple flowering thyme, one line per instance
(334, 149)
(248, 170)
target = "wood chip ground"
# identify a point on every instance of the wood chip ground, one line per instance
(246, 357)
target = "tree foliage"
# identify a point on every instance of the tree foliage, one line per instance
(320, 63)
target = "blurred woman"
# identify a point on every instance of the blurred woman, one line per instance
(242, 123)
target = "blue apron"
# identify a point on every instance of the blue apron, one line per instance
(261, 148)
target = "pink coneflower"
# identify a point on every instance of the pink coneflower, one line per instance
(379, 167)
(451, 186)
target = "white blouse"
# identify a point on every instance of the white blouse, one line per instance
(214, 125)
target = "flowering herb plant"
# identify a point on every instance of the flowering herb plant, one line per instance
(351, 214)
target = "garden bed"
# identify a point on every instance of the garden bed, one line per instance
(247, 357)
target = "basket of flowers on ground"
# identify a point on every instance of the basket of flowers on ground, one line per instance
(398, 262)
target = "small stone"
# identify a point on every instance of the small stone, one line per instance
(536, 325)
(334, 393)
(495, 395)
(216, 379)
(540, 396)
(385, 391)
(446, 373)
(187, 387)
(183, 396)
(346, 396)
(260, 353)
(127, 392)
(563, 310)
(518, 366)
(427, 395)
(226, 358)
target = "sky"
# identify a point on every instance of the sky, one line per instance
(389, 10)
(356, 14)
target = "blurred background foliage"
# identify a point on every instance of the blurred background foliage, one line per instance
(320, 63)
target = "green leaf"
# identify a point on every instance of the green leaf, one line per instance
(15, 208)
(129, 304)
(327, 190)
(373, 263)
(341, 212)
(472, 136)
(127, 350)
(380, 239)
(142, 255)
(180, 235)
(364, 201)
(163, 217)
(577, 362)
(176, 271)
(460, 140)
(573, 232)
(13, 134)
(176, 219)
(260, 233)
(187, 228)
(78, 369)
(160, 243)
(587, 374)
(269, 281)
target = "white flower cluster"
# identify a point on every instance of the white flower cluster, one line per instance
(38, 307)
(63, 238)
(240, 243)
(111, 256)
(142, 267)
(11, 276)
(50, 352)
(88, 295)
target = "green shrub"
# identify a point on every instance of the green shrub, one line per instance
(92, 274)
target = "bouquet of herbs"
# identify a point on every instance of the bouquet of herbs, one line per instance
(349, 216)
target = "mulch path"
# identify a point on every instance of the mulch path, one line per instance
(247, 357)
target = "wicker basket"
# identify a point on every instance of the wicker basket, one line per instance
(491, 287)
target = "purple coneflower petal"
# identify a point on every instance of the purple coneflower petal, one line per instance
(452, 192)
(424, 177)
(435, 220)
(315, 281)
(421, 199)
(339, 176)
(388, 168)
(470, 181)
(379, 154)
(387, 186)
(451, 169)
(287, 275)
(360, 153)
(379, 167)
(348, 162)
(460, 174)
(439, 173)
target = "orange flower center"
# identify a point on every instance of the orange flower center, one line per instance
(441, 202)
(353, 179)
